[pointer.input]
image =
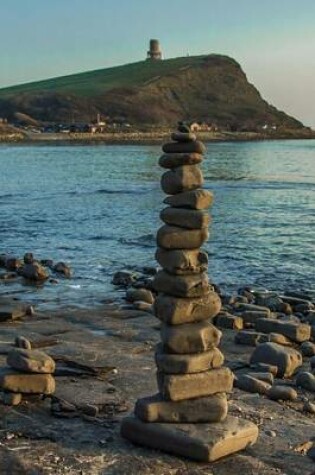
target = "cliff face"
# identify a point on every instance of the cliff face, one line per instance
(213, 89)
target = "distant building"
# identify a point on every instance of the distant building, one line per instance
(154, 52)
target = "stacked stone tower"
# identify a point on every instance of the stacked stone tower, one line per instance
(189, 414)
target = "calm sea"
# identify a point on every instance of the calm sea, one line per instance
(97, 208)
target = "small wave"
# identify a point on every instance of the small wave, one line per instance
(147, 240)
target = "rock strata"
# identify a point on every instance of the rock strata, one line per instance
(189, 414)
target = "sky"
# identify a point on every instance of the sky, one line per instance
(273, 40)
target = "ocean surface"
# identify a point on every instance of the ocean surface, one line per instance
(97, 208)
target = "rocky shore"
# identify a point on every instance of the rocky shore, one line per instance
(147, 137)
(104, 362)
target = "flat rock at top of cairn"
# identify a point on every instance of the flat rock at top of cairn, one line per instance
(30, 361)
(188, 416)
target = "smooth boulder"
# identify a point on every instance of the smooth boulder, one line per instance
(185, 218)
(286, 359)
(187, 363)
(188, 147)
(176, 310)
(179, 179)
(30, 361)
(174, 160)
(194, 199)
(195, 285)
(182, 261)
(190, 338)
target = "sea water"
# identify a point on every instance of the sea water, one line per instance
(97, 208)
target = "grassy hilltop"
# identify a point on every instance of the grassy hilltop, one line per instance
(210, 88)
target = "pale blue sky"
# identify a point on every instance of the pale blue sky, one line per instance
(273, 40)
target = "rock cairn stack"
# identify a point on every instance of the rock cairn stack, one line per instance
(29, 372)
(189, 414)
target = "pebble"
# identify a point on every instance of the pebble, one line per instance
(309, 407)
(282, 393)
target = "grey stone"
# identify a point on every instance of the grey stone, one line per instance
(143, 295)
(263, 368)
(190, 337)
(201, 442)
(286, 359)
(183, 137)
(185, 218)
(179, 179)
(177, 387)
(188, 147)
(11, 311)
(174, 237)
(176, 310)
(11, 399)
(309, 407)
(194, 199)
(124, 278)
(30, 361)
(26, 383)
(195, 285)
(206, 409)
(22, 342)
(62, 268)
(229, 321)
(251, 316)
(243, 307)
(294, 331)
(263, 376)
(248, 338)
(173, 160)
(307, 348)
(188, 363)
(250, 384)
(282, 393)
(34, 272)
(182, 261)
(143, 306)
(306, 381)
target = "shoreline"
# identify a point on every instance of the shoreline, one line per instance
(144, 138)
(110, 355)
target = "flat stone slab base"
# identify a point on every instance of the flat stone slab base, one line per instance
(201, 442)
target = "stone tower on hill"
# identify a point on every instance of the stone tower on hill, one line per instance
(154, 52)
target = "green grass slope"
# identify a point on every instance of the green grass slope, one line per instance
(210, 88)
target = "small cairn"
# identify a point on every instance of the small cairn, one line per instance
(28, 372)
(188, 416)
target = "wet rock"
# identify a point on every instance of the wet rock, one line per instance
(28, 258)
(144, 295)
(13, 264)
(201, 442)
(15, 382)
(185, 218)
(188, 147)
(124, 278)
(307, 348)
(286, 359)
(47, 263)
(175, 387)
(252, 385)
(188, 363)
(180, 179)
(183, 137)
(176, 311)
(251, 316)
(62, 268)
(229, 321)
(173, 160)
(194, 199)
(174, 237)
(306, 381)
(196, 285)
(190, 338)
(282, 393)
(263, 376)
(263, 367)
(143, 306)
(22, 342)
(30, 361)
(11, 399)
(309, 407)
(206, 409)
(248, 338)
(294, 331)
(34, 272)
(181, 261)
(11, 311)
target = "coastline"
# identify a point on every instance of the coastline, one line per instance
(116, 350)
(149, 138)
